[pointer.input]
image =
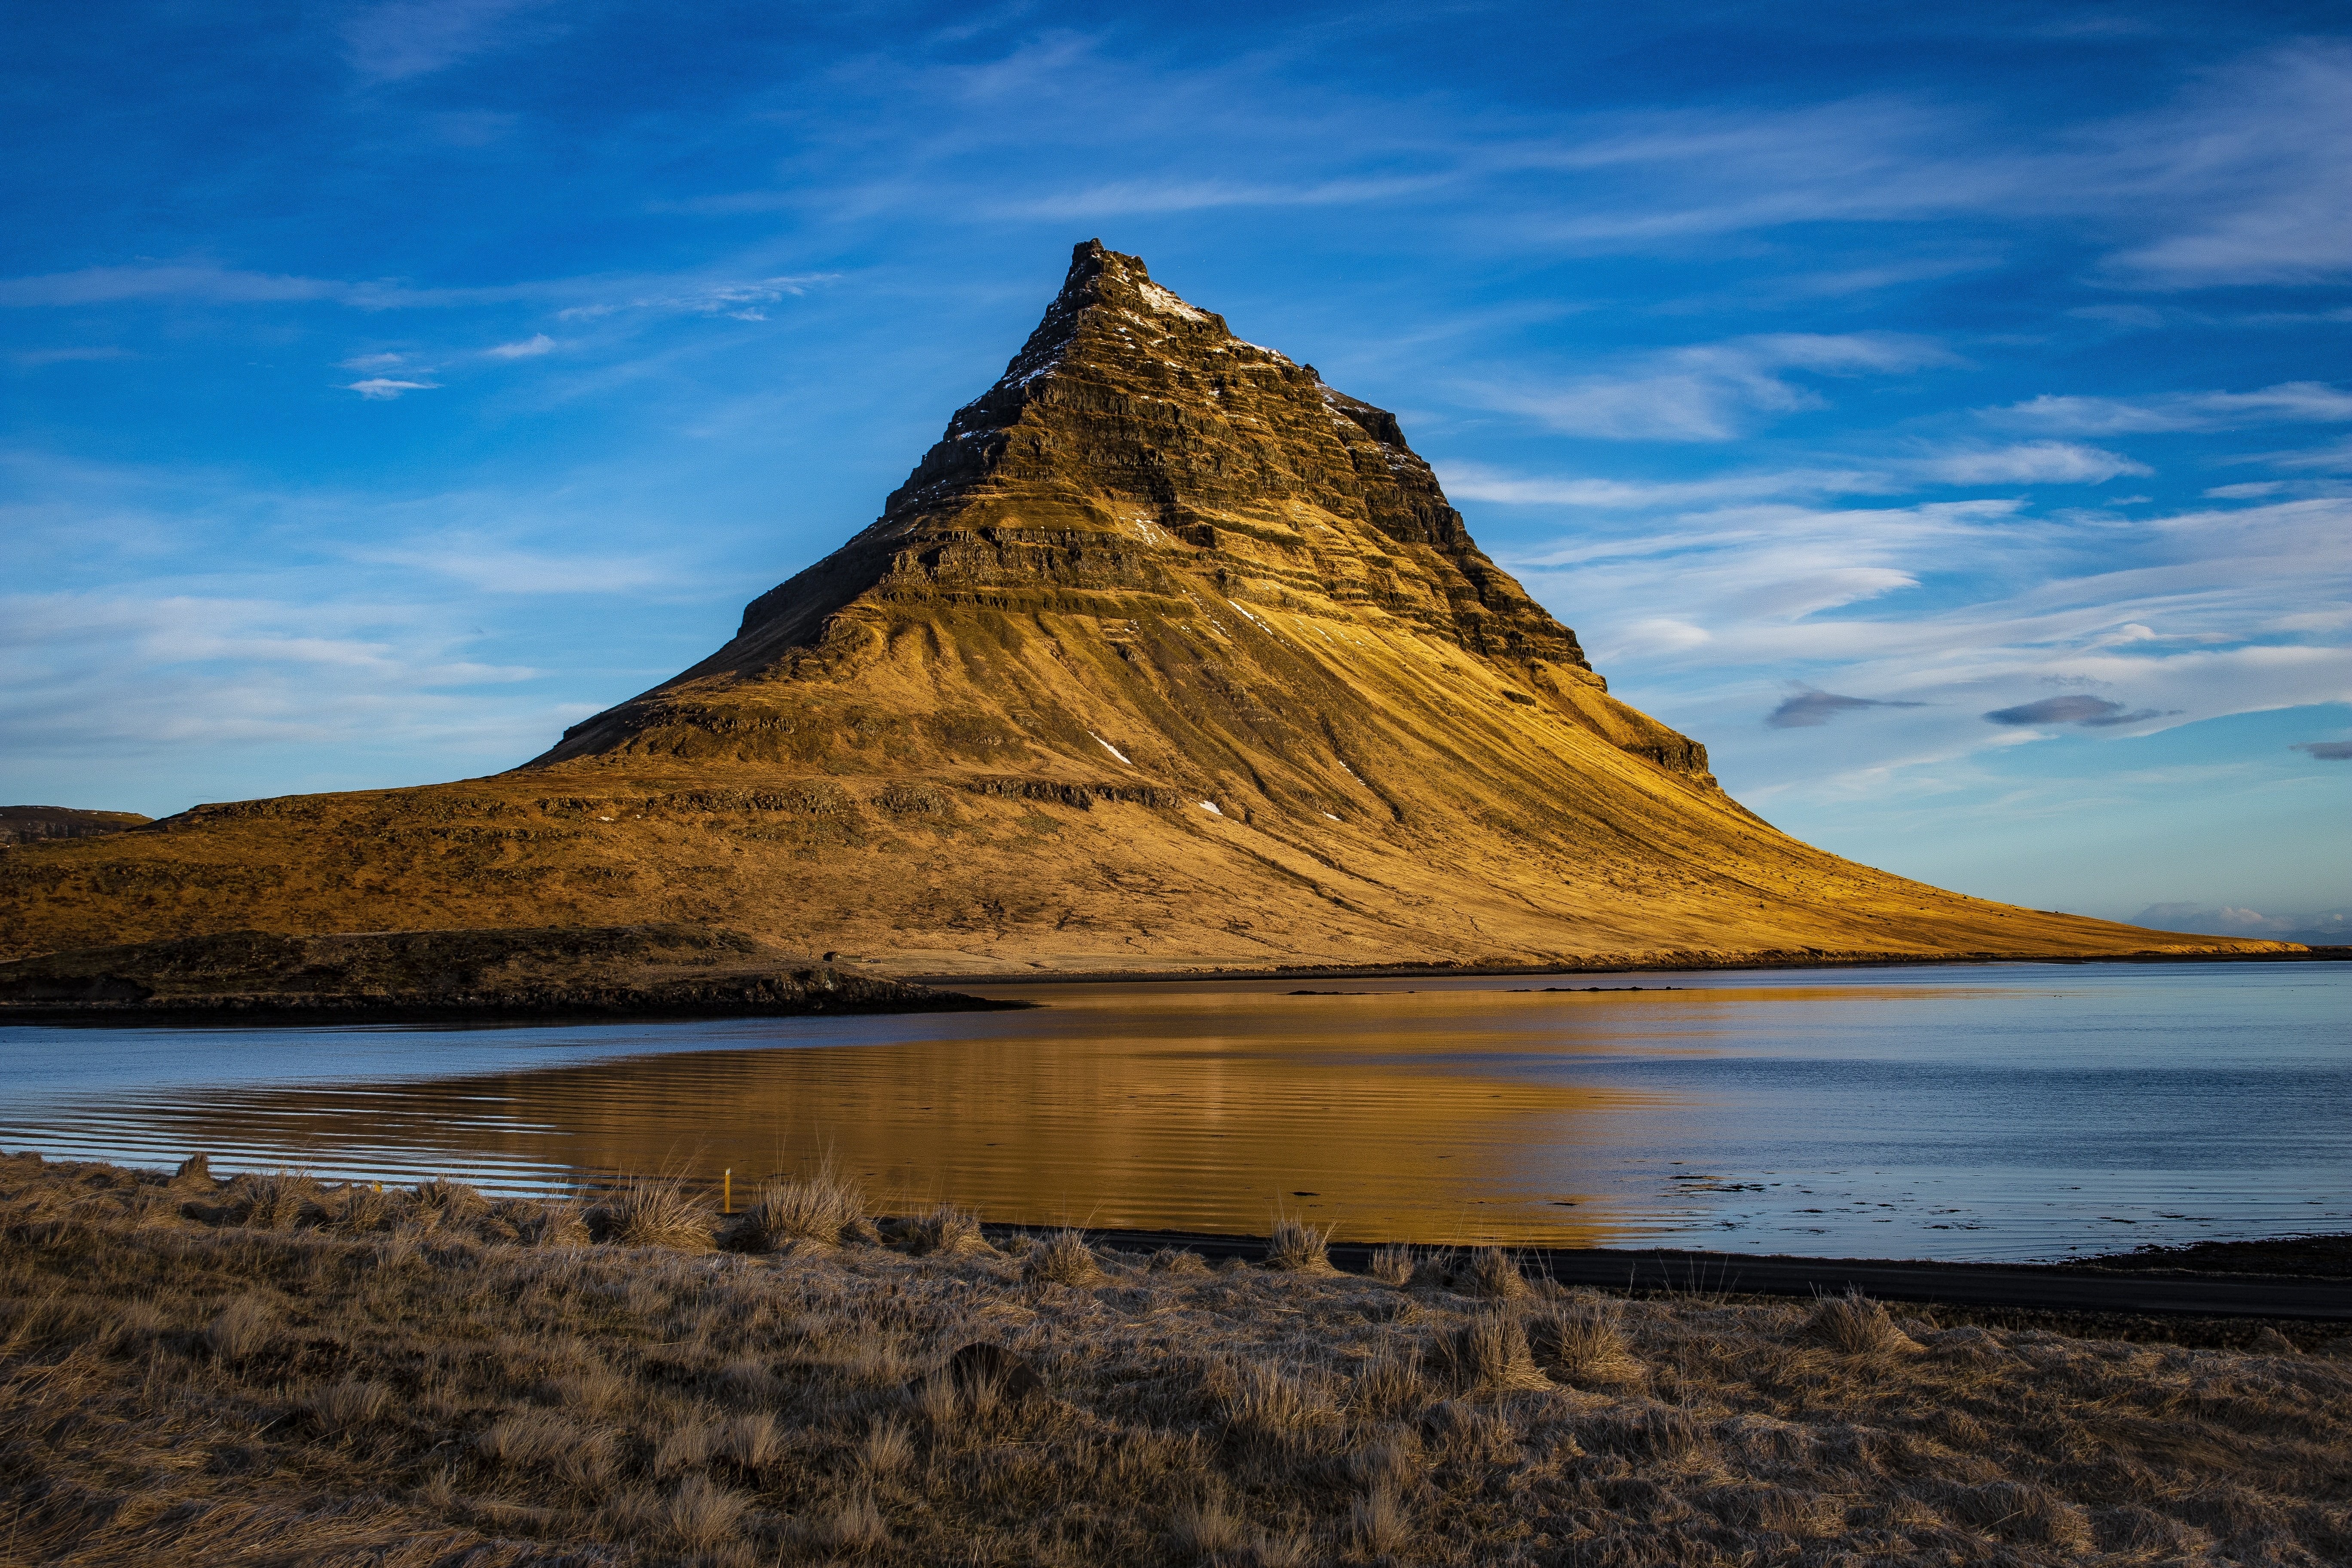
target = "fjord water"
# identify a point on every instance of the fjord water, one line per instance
(1992, 1112)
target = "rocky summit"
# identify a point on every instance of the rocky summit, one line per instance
(1167, 656)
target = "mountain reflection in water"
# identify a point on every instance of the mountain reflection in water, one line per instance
(2001, 1110)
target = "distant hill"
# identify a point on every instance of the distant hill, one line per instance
(30, 823)
(1168, 654)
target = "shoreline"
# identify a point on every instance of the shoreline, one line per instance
(2104, 1286)
(1688, 963)
(762, 997)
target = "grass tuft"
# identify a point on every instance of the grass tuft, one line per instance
(1392, 1264)
(1267, 1402)
(351, 1404)
(1490, 1353)
(701, 1514)
(855, 1526)
(1206, 1527)
(1857, 1325)
(655, 1211)
(945, 1231)
(244, 1328)
(1298, 1248)
(1381, 1522)
(1492, 1273)
(1579, 1342)
(888, 1447)
(822, 1209)
(1064, 1259)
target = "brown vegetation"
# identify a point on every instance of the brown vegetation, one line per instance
(270, 1370)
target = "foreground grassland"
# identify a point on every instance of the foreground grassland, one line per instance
(268, 1371)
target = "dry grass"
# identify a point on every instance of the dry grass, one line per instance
(821, 1209)
(1299, 1247)
(945, 1231)
(1580, 1344)
(423, 1380)
(1857, 1325)
(653, 1211)
(1064, 1258)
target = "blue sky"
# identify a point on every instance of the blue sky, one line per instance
(1948, 419)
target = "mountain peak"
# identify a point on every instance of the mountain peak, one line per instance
(1138, 456)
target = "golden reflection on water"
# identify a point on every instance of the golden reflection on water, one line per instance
(1430, 1111)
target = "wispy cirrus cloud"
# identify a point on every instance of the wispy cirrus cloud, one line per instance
(1956, 466)
(212, 284)
(385, 388)
(397, 40)
(2140, 624)
(744, 301)
(2288, 402)
(1708, 391)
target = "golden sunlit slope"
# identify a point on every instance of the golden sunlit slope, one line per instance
(1168, 654)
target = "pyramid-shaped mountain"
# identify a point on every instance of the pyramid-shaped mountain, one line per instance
(1166, 656)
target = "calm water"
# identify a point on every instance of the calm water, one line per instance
(2014, 1110)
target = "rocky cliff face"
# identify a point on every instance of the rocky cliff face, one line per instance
(1166, 656)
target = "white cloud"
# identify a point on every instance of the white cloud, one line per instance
(128, 673)
(2190, 616)
(33, 359)
(384, 389)
(403, 39)
(2291, 402)
(373, 361)
(529, 348)
(227, 286)
(2036, 462)
(1708, 391)
(492, 567)
(742, 301)
(2250, 170)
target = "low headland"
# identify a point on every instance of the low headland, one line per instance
(271, 1369)
(533, 975)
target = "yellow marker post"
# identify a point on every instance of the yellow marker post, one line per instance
(727, 1190)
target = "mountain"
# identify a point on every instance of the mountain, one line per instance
(1166, 656)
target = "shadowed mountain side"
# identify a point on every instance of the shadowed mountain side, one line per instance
(1167, 654)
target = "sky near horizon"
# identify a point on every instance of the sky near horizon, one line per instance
(1947, 418)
